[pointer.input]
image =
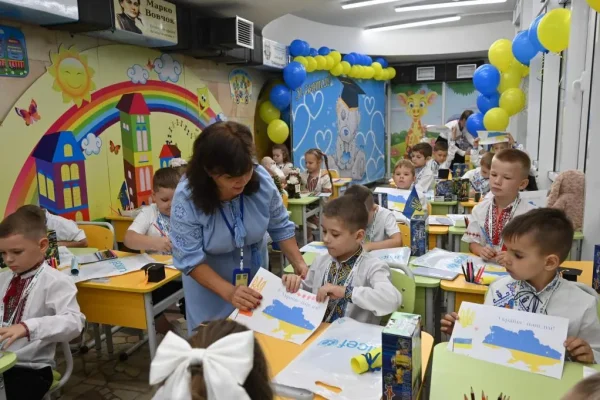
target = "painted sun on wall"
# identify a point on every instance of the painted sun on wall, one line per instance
(112, 115)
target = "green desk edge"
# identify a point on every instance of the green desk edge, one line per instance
(7, 361)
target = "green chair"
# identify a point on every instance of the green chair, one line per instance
(404, 280)
(58, 380)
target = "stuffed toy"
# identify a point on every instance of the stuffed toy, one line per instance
(568, 194)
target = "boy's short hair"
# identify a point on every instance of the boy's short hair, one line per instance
(423, 148)
(403, 163)
(440, 145)
(515, 156)
(550, 229)
(166, 178)
(486, 160)
(587, 389)
(352, 213)
(29, 221)
(362, 194)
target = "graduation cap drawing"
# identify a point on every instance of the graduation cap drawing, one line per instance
(350, 92)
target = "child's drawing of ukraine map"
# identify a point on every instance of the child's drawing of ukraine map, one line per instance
(288, 316)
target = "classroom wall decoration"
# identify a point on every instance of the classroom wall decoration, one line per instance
(90, 132)
(240, 85)
(460, 96)
(13, 53)
(344, 118)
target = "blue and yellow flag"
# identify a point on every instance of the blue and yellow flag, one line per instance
(413, 204)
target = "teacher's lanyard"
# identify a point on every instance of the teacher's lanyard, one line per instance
(490, 221)
(241, 276)
(348, 281)
(24, 295)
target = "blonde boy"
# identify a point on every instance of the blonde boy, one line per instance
(382, 230)
(420, 154)
(537, 243)
(404, 174)
(508, 175)
(356, 283)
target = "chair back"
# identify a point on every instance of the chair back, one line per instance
(403, 280)
(61, 380)
(334, 173)
(100, 235)
(405, 232)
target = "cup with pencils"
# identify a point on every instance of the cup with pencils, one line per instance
(473, 274)
(485, 397)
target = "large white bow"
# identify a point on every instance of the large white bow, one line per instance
(226, 364)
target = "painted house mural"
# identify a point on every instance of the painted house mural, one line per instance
(60, 171)
(167, 153)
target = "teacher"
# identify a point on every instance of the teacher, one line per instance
(221, 211)
(457, 132)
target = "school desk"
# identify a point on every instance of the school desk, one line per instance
(426, 289)
(437, 233)
(339, 186)
(453, 375)
(459, 290)
(467, 206)
(442, 207)
(120, 224)
(126, 300)
(300, 213)
(7, 361)
(280, 353)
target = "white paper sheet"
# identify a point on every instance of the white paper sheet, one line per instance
(393, 257)
(525, 341)
(103, 269)
(451, 261)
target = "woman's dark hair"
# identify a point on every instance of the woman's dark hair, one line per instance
(284, 151)
(466, 114)
(223, 148)
(320, 157)
(257, 383)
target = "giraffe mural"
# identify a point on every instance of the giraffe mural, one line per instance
(416, 105)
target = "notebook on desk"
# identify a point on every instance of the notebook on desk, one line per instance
(435, 273)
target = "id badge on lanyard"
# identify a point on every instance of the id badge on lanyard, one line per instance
(241, 276)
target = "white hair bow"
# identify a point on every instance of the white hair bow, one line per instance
(226, 364)
(177, 162)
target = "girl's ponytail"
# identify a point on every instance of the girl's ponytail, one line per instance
(324, 156)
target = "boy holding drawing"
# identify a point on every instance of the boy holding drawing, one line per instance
(39, 305)
(508, 175)
(537, 243)
(382, 231)
(356, 283)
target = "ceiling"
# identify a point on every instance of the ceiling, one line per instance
(330, 12)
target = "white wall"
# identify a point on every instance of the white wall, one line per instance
(414, 42)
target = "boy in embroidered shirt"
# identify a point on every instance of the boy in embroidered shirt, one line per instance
(537, 243)
(420, 155)
(479, 178)
(441, 158)
(508, 175)
(382, 231)
(356, 283)
(39, 305)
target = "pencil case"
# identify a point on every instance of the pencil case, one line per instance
(155, 272)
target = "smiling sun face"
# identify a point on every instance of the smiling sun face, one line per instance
(72, 75)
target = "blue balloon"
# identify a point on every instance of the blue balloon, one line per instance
(296, 48)
(523, 49)
(485, 103)
(323, 51)
(363, 60)
(286, 116)
(350, 59)
(533, 34)
(306, 49)
(486, 79)
(369, 61)
(382, 61)
(313, 52)
(475, 123)
(280, 96)
(294, 75)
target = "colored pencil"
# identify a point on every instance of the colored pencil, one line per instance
(159, 230)
(464, 273)
(500, 397)
(479, 274)
(466, 398)
(466, 222)
(472, 394)
(482, 395)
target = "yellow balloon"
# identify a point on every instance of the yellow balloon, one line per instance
(377, 67)
(278, 131)
(346, 67)
(337, 70)
(500, 54)
(525, 71)
(337, 57)
(378, 75)
(518, 68)
(330, 62)
(496, 119)
(369, 73)
(392, 72)
(354, 72)
(385, 75)
(321, 62)
(302, 60)
(554, 29)
(512, 101)
(509, 80)
(312, 64)
(595, 4)
(268, 112)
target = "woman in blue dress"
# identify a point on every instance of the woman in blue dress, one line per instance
(221, 211)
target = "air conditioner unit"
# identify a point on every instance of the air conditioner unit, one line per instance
(227, 33)
(425, 73)
(465, 71)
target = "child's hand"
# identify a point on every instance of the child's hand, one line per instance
(501, 258)
(329, 290)
(579, 350)
(12, 333)
(487, 253)
(162, 244)
(291, 282)
(448, 322)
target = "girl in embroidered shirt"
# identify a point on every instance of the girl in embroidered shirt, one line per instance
(315, 179)
(281, 156)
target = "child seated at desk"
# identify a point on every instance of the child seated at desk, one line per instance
(404, 178)
(39, 306)
(231, 355)
(382, 231)
(356, 283)
(316, 181)
(537, 243)
(441, 159)
(281, 156)
(479, 178)
(68, 233)
(508, 175)
(420, 154)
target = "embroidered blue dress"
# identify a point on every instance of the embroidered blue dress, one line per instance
(199, 238)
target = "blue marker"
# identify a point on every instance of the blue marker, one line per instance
(74, 267)
(487, 238)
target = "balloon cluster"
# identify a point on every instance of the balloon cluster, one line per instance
(305, 60)
(499, 82)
